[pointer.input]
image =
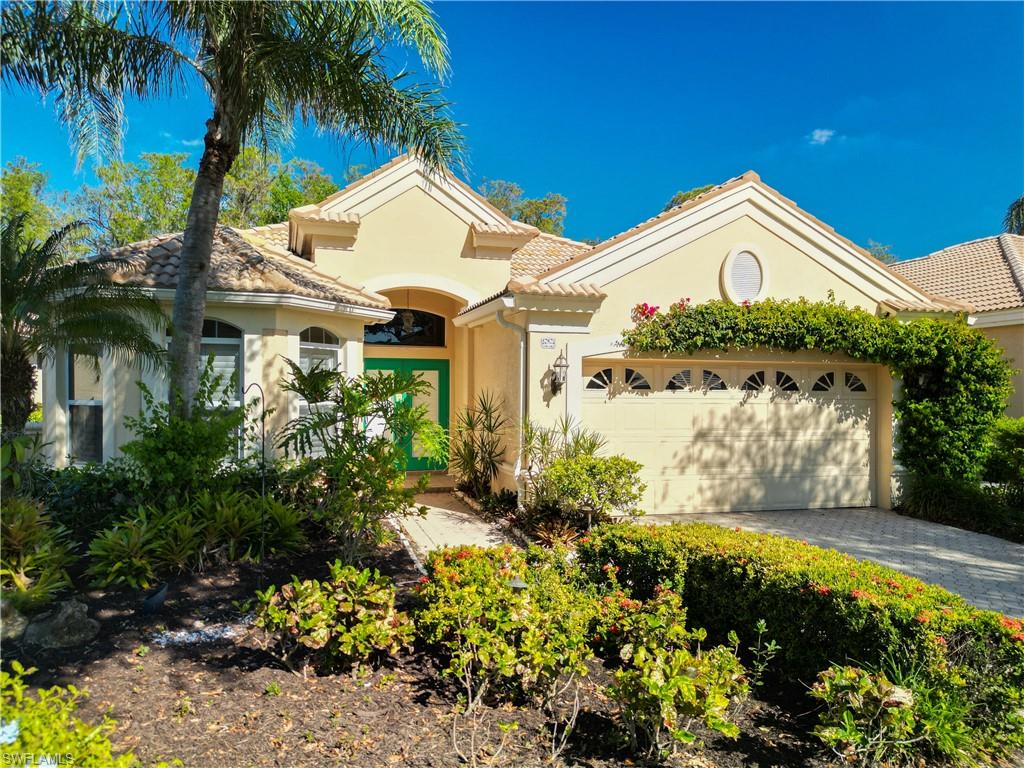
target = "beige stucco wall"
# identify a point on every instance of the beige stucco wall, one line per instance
(494, 354)
(1011, 339)
(270, 334)
(411, 237)
(694, 271)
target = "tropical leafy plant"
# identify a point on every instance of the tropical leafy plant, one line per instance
(346, 619)
(357, 427)
(174, 455)
(51, 303)
(1014, 219)
(262, 63)
(35, 554)
(668, 680)
(478, 444)
(869, 719)
(127, 552)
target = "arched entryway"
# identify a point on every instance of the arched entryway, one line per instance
(422, 340)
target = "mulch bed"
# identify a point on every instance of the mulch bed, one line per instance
(229, 703)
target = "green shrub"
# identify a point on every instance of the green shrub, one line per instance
(35, 553)
(542, 447)
(42, 724)
(176, 456)
(505, 626)
(955, 380)
(869, 720)
(994, 509)
(667, 680)
(595, 487)
(824, 606)
(478, 444)
(1006, 457)
(347, 619)
(89, 498)
(359, 478)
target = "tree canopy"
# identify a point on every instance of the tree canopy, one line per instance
(1013, 222)
(681, 197)
(545, 213)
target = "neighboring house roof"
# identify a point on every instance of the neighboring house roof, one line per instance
(240, 265)
(545, 252)
(988, 273)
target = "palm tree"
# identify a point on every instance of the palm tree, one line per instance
(262, 62)
(49, 302)
(1014, 220)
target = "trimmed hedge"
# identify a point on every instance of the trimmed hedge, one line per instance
(823, 606)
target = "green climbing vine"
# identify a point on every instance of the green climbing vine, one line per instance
(955, 380)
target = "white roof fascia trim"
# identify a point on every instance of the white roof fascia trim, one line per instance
(286, 300)
(407, 175)
(884, 283)
(483, 313)
(999, 317)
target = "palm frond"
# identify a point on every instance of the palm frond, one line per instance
(50, 303)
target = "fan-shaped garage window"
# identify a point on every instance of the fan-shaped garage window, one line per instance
(754, 382)
(712, 381)
(679, 380)
(600, 380)
(854, 383)
(317, 335)
(785, 382)
(825, 382)
(636, 380)
(743, 275)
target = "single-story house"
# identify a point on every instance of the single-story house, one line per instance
(987, 273)
(406, 270)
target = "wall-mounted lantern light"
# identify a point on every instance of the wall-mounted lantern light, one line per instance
(559, 370)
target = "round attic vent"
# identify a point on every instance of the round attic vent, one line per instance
(743, 275)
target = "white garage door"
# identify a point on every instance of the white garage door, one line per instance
(716, 437)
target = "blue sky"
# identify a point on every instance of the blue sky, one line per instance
(901, 123)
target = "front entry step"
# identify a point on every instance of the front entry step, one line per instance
(440, 481)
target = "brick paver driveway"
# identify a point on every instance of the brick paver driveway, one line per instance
(989, 572)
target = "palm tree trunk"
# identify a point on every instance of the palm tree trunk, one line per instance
(194, 271)
(18, 384)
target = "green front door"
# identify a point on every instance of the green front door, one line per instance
(435, 373)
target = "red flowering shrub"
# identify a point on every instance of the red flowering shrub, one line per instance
(824, 607)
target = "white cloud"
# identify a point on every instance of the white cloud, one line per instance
(821, 136)
(165, 135)
(192, 142)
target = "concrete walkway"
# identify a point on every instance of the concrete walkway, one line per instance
(987, 571)
(449, 523)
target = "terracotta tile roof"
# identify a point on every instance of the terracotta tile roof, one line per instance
(270, 234)
(315, 213)
(544, 252)
(987, 273)
(240, 264)
(531, 287)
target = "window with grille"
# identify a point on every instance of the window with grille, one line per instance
(636, 380)
(600, 380)
(785, 382)
(711, 381)
(754, 382)
(824, 383)
(679, 380)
